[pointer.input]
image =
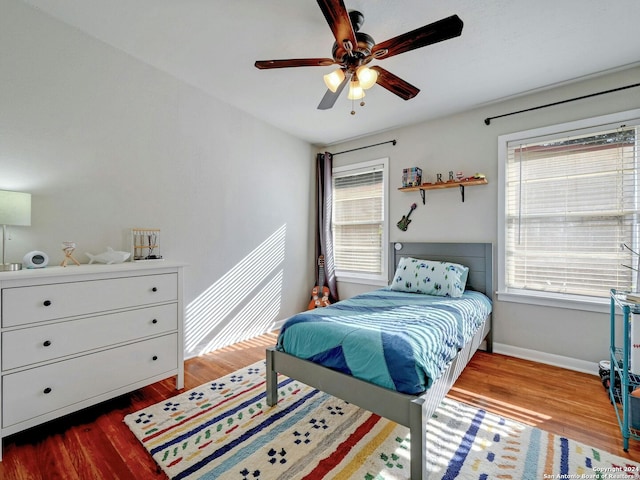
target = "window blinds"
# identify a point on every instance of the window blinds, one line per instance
(358, 216)
(571, 201)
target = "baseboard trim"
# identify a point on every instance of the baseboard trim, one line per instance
(548, 358)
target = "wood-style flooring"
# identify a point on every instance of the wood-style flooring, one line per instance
(95, 443)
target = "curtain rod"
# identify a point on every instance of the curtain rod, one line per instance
(487, 120)
(394, 141)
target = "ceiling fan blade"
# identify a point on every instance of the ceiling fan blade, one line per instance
(294, 62)
(435, 32)
(395, 84)
(329, 99)
(338, 19)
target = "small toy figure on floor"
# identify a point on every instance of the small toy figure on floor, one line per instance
(68, 248)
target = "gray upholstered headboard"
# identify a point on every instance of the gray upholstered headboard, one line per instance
(477, 256)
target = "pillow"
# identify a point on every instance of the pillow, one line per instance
(430, 277)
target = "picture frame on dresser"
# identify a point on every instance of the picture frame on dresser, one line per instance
(72, 338)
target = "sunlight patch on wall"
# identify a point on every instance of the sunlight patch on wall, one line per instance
(254, 318)
(232, 305)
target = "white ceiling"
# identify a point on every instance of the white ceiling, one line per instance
(507, 47)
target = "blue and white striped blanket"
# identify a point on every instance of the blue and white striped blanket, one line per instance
(402, 341)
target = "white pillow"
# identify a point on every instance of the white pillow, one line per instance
(430, 277)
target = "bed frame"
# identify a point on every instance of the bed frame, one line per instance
(412, 411)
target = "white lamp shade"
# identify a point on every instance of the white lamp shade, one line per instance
(334, 79)
(15, 208)
(355, 91)
(367, 77)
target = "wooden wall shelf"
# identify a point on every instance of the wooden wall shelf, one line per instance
(433, 186)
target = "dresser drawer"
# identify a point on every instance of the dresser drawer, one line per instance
(49, 341)
(31, 393)
(23, 305)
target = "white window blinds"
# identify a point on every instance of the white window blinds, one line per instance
(358, 220)
(571, 202)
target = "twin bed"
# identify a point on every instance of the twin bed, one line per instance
(398, 350)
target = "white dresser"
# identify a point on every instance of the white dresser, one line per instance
(78, 335)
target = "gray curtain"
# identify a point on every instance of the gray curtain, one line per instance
(324, 237)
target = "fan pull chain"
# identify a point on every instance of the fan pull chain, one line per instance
(353, 111)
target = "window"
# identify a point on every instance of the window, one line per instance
(359, 221)
(570, 202)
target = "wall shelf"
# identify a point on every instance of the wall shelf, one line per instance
(433, 186)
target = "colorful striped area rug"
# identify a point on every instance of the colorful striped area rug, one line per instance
(225, 430)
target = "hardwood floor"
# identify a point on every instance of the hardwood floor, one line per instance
(96, 444)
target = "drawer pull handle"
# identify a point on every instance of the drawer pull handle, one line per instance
(46, 303)
(47, 343)
(154, 321)
(155, 357)
(154, 289)
(47, 390)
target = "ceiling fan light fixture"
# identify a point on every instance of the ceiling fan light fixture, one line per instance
(367, 77)
(354, 49)
(356, 92)
(334, 79)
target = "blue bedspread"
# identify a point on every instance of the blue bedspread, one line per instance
(402, 341)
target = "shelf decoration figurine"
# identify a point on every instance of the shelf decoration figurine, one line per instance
(411, 177)
(145, 244)
(68, 248)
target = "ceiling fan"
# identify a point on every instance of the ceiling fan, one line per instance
(354, 50)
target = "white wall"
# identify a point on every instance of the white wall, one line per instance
(464, 143)
(105, 143)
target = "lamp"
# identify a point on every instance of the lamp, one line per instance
(15, 209)
(334, 79)
(367, 77)
(361, 78)
(356, 91)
